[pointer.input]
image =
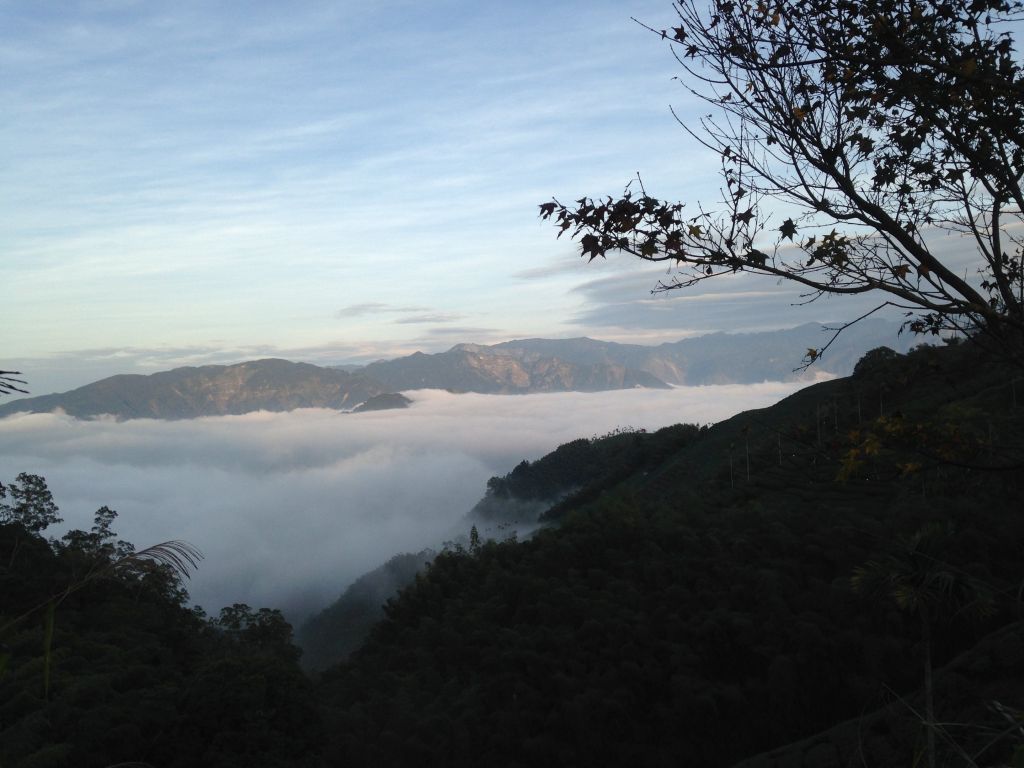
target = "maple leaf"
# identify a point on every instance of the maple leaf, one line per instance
(788, 229)
(746, 216)
(590, 244)
(901, 271)
(547, 210)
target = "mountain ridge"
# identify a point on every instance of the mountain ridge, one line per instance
(727, 358)
(522, 366)
(213, 390)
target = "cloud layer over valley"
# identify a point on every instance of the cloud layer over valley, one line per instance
(290, 507)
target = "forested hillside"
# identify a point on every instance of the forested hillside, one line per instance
(584, 465)
(513, 502)
(703, 596)
(332, 634)
(704, 610)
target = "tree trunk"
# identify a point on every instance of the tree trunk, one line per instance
(929, 699)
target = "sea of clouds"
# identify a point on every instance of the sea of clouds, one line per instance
(289, 508)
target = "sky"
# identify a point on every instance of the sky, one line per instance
(194, 182)
(290, 508)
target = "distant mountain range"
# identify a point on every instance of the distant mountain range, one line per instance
(508, 371)
(210, 390)
(719, 358)
(514, 367)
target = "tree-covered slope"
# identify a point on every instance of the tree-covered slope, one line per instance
(698, 611)
(584, 465)
(978, 693)
(513, 501)
(102, 663)
(330, 635)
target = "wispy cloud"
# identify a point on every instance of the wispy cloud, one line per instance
(434, 317)
(465, 333)
(374, 308)
(548, 271)
(620, 303)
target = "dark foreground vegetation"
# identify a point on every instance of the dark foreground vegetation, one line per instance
(731, 590)
(102, 662)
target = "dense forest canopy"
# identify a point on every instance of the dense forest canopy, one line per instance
(102, 660)
(716, 586)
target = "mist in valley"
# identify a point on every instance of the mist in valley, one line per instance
(289, 508)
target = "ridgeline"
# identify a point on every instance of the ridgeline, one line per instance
(512, 368)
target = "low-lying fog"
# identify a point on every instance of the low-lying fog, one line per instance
(289, 508)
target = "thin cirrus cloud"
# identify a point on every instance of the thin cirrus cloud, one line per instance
(197, 172)
(374, 308)
(291, 507)
(735, 303)
(412, 315)
(465, 333)
(427, 318)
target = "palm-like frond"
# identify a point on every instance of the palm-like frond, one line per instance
(8, 383)
(180, 556)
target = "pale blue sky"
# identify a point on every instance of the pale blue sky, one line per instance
(187, 182)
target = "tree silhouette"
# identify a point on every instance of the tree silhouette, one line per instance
(33, 507)
(873, 127)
